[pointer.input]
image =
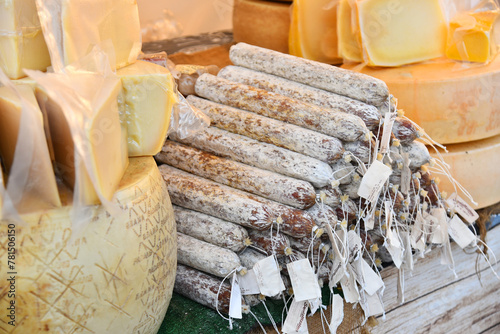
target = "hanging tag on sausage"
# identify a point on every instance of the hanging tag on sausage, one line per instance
(268, 277)
(354, 244)
(337, 272)
(349, 288)
(295, 321)
(374, 179)
(408, 255)
(389, 119)
(248, 283)
(417, 233)
(235, 299)
(373, 282)
(460, 232)
(337, 314)
(406, 174)
(462, 208)
(430, 225)
(393, 245)
(440, 232)
(304, 282)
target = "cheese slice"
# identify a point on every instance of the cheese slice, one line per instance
(313, 31)
(35, 185)
(21, 40)
(102, 135)
(475, 166)
(76, 26)
(401, 32)
(115, 276)
(145, 103)
(453, 104)
(349, 37)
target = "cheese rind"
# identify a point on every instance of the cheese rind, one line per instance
(349, 37)
(116, 276)
(21, 40)
(145, 103)
(401, 32)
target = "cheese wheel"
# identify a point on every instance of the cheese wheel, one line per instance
(475, 166)
(115, 276)
(262, 23)
(454, 103)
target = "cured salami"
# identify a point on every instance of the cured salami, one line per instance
(277, 243)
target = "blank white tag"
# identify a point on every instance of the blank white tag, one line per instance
(374, 179)
(337, 272)
(394, 247)
(373, 282)
(375, 306)
(408, 255)
(369, 222)
(304, 282)
(440, 232)
(406, 174)
(295, 321)
(248, 283)
(462, 208)
(417, 233)
(460, 232)
(354, 243)
(268, 277)
(446, 254)
(338, 313)
(349, 288)
(235, 299)
(401, 286)
(389, 119)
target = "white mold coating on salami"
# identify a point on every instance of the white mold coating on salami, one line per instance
(361, 149)
(271, 244)
(305, 93)
(272, 131)
(323, 215)
(404, 130)
(206, 257)
(210, 229)
(249, 257)
(261, 155)
(418, 154)
(283, 189)
(334, 123)
(199, 194)
(333, 79)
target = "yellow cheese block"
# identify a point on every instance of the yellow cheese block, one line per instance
(21, 40)
(103, 136)
(116, 276)
(79, 25)
(262, 23)
(452, 103)
(313, 31)
(475, 166)
(401, 32)
(145, 103)
(349, 37)
(41, 189)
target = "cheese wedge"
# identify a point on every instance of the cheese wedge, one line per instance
(115, 276)
(102, 134)
(313, 31)
(21, 40)
(401, 32)
(349, 37)
(34, 163)
(453, 104)
(475, 166)
(78, 25)
(145, 103)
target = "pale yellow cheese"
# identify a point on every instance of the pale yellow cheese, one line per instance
(475, 166)
(313, 31)
(104, 136)
(452, 103)
(349, 38)
(401, 32)
(145, 105)
(21, 40)
(78, 25)
(41, 190)
(115, 276)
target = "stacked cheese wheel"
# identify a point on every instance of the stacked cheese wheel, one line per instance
(282, 163)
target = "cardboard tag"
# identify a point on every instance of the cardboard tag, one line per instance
(354, 244)
(351, 294)
(406, 174)
(337, 314)
(440, 233)
(295, 321)
(389, 119)
(248, 283)
(394, 248)
(268, 277)
(460, 232)
(462, 208)
(235, 299)
(372, 280)
(304, 282)
(373, 181)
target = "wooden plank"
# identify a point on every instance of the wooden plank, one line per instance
(493, 330)
(429, 274)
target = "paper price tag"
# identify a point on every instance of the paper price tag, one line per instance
(235, 299)
(374, 304)
(417, 233)
(389, 119)
(373, 282)
(338, 313)
(354, 244)
(460, 232)
(374, 179)
(248, 283)
(394, 247)
(349, 288)
(440, 232)
(304, 282)
(462, 208)
(268, 277)
(295, 321)
(430, 224)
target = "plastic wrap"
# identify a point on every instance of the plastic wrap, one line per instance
(186, 120)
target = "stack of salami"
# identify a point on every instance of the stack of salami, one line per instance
(302, 160)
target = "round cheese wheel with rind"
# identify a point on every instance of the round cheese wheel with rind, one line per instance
(454, 102)
(475, 166)
(116, 276)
